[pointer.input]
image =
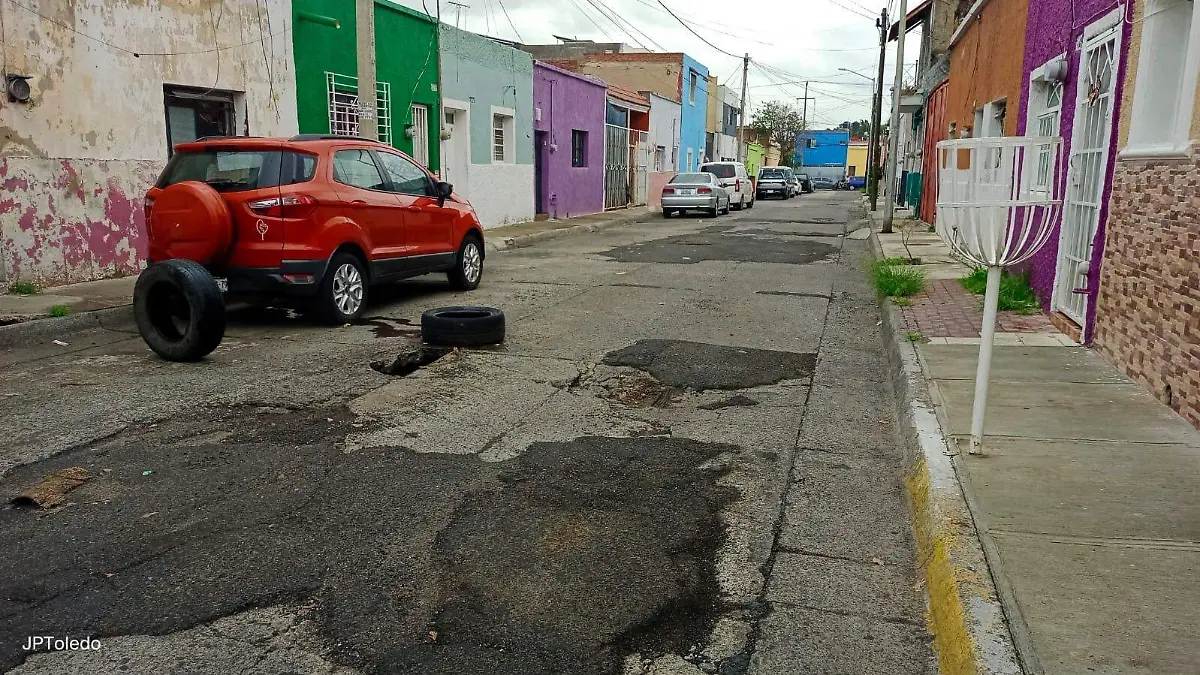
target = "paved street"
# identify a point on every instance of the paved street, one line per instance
(682, 460)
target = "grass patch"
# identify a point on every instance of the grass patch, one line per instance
(1015, 292)
(59, 310)
(24, 288)
(902, 302)
(893, 279)
(914, 336)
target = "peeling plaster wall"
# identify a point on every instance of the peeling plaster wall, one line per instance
(77, 159)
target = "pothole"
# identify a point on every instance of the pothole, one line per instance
(408, 362)
(699, 366)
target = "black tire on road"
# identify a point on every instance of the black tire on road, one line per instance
(468, 265)
(667, 213)
(462, 326)
(741, 203)
(342, 298)
(715, 211)
(179, 310)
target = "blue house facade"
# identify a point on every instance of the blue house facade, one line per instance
(694, 126)
(823, 153)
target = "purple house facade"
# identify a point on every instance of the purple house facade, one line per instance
(1075, 54)
(568, 114)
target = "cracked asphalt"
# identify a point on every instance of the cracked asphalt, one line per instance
(682, 460)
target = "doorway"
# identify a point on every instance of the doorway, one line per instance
(1087, 166)
(456, 126)
(539, 172)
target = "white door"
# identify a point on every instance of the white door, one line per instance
(455, 149)
(420, 121)
(1087, 166)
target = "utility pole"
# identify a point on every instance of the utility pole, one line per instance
(876, 113)
(364, 20)
(804, 115)
(894, 126)
(742, 115)
(458, 8)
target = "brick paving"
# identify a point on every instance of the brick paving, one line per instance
(946, 309)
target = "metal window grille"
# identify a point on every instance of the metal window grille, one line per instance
(578, 148)
(344, 111)
(498, 138)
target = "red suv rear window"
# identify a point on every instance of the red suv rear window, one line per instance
(239, 170)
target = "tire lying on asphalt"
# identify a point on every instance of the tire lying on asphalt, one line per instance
(462, 326)
(179, 310)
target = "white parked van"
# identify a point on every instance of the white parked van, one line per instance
(736, 181)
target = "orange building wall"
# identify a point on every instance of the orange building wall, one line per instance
(987, 63)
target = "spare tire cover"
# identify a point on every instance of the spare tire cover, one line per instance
(190, 220)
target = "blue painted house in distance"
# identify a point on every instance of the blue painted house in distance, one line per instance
(823, 153)
(693, 94)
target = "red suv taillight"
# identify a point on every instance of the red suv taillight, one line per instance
(292, 206)
(737, 185)
(148, 206)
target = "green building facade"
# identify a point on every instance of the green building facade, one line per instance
(406, 74)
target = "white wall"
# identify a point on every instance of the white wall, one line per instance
(665, 120)
(76, 160)
(725, 146)
(501, 193)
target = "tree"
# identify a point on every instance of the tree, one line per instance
(780, 122)
(857, 129)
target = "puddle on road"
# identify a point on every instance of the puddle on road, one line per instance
(388, 327)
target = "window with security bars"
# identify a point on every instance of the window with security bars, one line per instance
(345, 112)
(498, 138)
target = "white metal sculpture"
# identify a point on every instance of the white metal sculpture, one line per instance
(998, 200)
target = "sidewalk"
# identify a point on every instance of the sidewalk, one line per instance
(1085, 502)
(92, 296)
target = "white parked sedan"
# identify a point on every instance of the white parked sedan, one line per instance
(695, 192)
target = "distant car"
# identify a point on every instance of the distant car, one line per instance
(821, 183)
(735, 180)
(773, 181)
(857, 182)
(805, 182)
(797, 189)
(700, 191)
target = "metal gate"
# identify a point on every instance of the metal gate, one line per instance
(641, 169)
(1088, 165)
(420, 122)
(616, 166)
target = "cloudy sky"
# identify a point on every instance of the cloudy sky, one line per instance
(789, 41)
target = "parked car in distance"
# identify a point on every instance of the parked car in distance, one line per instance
(700, 191)
(310, 221)
(857, 182)
(773, 181)
(822, 183)
(735, 180)
(805, 182)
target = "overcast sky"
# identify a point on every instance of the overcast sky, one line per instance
(797, 39)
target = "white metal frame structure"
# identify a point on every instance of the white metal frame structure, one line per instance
(993, 212)
(345, 112)
(1088, 164)
(419, 113)
(1044, 115)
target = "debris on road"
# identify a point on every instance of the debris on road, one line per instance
(53, 490)
(408, 362)
(60, 343)
(147, 472)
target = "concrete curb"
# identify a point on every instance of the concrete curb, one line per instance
(35, 330)
(965, 615)
(501, 244)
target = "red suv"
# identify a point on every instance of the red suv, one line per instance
(313, 220)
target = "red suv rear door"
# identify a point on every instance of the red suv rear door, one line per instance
(368, 201)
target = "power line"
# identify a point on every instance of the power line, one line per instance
(510, 21)
(693, 32)
(587, 16)
(853, 9)
(616, 17)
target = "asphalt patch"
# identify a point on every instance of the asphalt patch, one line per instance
(735, 401)
(776, 233)
(792, 294)
(408, 362)
(563, 560)
(582, 553)
(700, 366)
(717, 243)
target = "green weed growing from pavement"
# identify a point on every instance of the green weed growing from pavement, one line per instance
(902, 302)
(60, 310)
(24, 288)
(1015, 292)
(914, 336)
(893, 278)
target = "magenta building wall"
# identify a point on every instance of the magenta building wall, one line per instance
(568, 101)
(1056, 27)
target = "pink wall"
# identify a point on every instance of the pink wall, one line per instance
(657, 181)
